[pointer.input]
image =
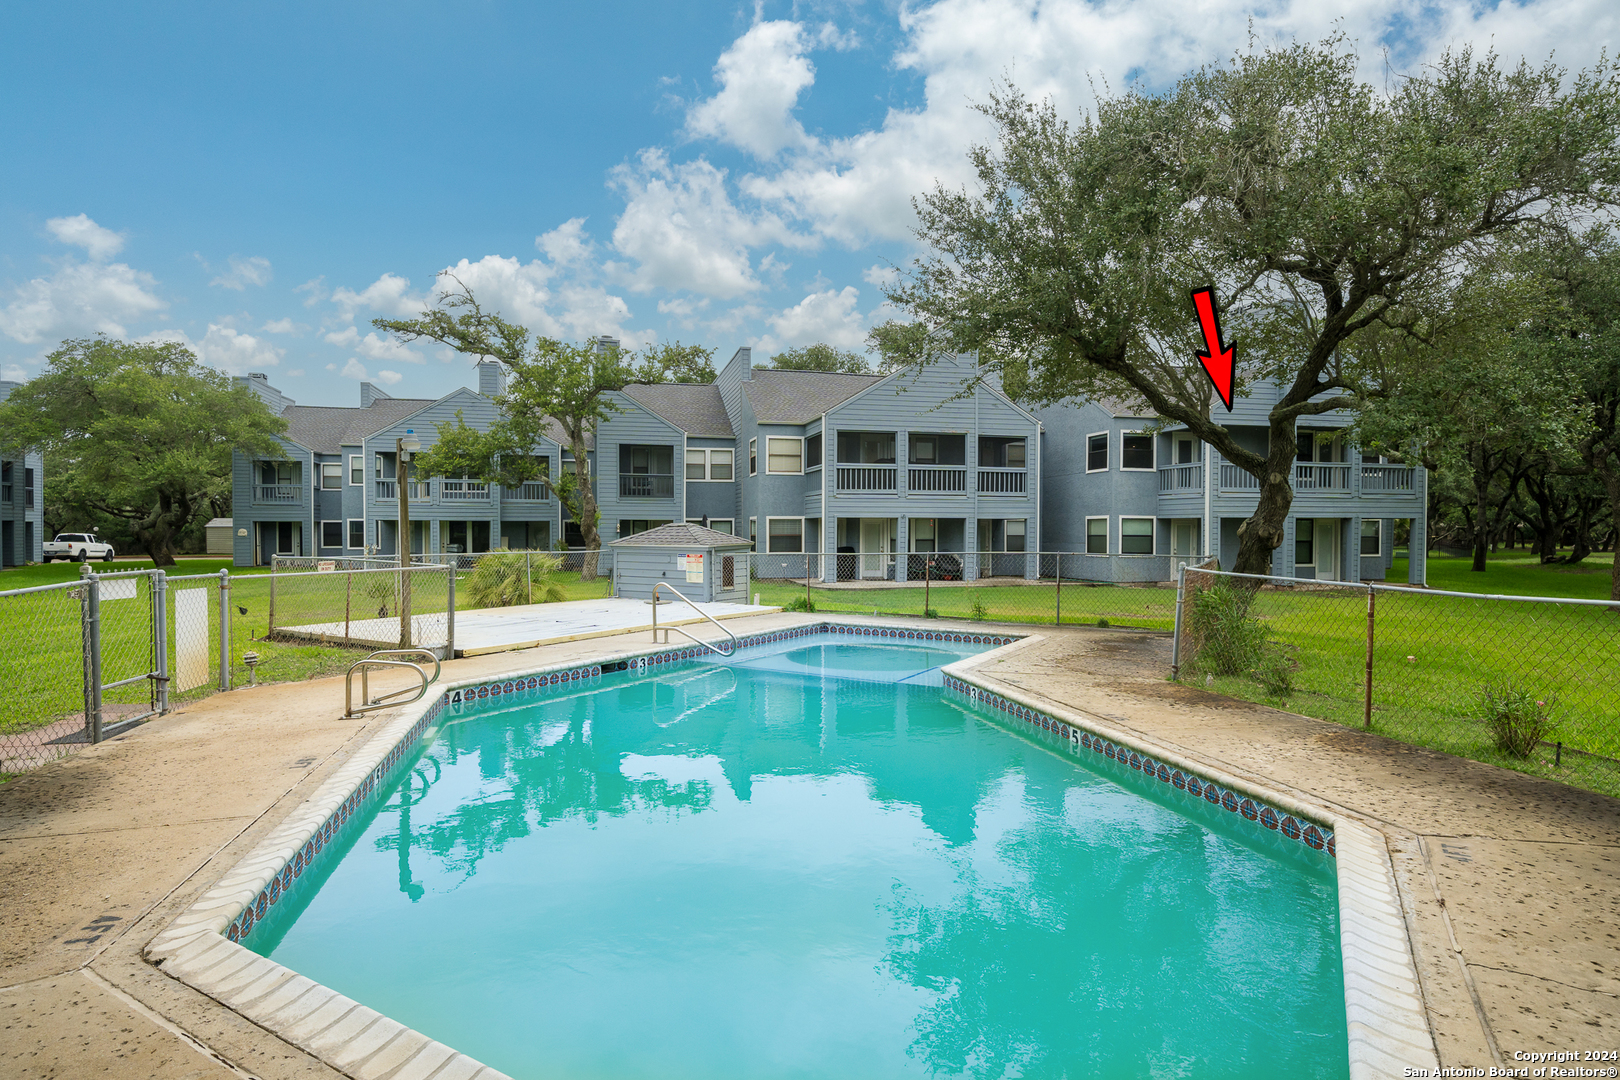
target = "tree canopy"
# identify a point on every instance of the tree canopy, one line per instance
(142, 433)
(1325, 213)
(820, 357)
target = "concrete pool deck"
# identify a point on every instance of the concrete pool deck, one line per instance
(1510, 885)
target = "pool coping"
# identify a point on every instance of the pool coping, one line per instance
(1388, 1025)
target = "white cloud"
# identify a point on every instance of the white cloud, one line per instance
(244, 272)
(567, 244)
(879, 274)
(389, 294)
(297, 373)
(13, 373)
(374, 347)
(823, 316)
(354, 369)
(98, 242)
(684, 231)
(283, 326)
(761, 77)
(388, 378)
(80, 298)
(228, 350)
(316, 287)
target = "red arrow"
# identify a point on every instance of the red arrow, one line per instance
(1216, 360)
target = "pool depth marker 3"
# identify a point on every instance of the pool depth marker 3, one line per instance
(1218, 362)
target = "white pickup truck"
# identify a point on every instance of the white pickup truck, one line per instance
(78, 546)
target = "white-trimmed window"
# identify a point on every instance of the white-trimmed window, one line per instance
(1186, 449)
(331, 476)
(697, 465)
(712, 464)
(1135, 536)
(784, 454)
(357, 533)
(357, 471)
(1097, 452)
(1136, 452)
(1096, 536)
(720, 464)
(1304, 541)
(1015, 534)
(331, 534)
(784, 535)
(753, 533)
(725, 525)
(1372, 536)
(753, 456)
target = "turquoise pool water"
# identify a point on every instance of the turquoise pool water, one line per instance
(813, 863)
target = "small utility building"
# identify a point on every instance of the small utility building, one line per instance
(703, 565)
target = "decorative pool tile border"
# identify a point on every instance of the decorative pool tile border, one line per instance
(1314, 835)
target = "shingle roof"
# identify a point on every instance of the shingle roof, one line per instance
(325, 429)
(681, 534)
(798, 397)
(1129, 407)
(695, 409)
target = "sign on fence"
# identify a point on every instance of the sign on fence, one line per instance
(191, 637)
(118, 589)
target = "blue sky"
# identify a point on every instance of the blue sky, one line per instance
(261, 181)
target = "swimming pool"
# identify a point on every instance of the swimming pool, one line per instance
(815, 860)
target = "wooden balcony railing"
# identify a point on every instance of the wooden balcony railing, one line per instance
(646, 485)
(867, 477)
(1001, 481)
(1381, 478)
(1175, 479)
(937, 479)
(277, 493)
(463, 491)
(530, 492)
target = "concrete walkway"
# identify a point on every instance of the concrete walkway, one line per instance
(1511, 885)
(526, 626)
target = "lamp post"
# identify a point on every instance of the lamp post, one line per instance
(406, 446)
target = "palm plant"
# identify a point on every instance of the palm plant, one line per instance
(503, 579)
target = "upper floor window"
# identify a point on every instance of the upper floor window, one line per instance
(1136, 451)
(1311, 448)
(1185, 450)
(357, 471)
(1097, 452)
(931, 449)
(385, 466)
(753, 456)
(697, 465)
(813, 456)
(784, 455)
(332, 480)
(647, 460)
(712, 464)
(1000, 452)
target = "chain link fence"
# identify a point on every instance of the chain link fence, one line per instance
(1050, 587)
(1523, 682)
(82, 660)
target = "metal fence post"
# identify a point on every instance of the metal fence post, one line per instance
(270, 628)
(450, 616)
(348, 605)
(528, 578)
(160, 639)
(90, 609)
(1057, 620)
(1175, 645)
(1366, 714)
(225, 627)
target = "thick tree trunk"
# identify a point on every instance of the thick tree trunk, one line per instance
(587, 507)
(1262, 533)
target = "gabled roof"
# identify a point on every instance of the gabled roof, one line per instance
(326, 429)
(798, 397)
(695, 409)
(681, 534)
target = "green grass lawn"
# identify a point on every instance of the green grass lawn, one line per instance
(1517, 573)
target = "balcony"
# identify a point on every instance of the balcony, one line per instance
(867, 478)
(462, 491)
(1384, 478)
(1181, 479)
(530, 492)
(646, 485)
(937, 479)
(1333, 479)
(421, 490)
(1001, 481)
(277, 493)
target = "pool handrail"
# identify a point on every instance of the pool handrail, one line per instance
(385, 701)
(673, 590)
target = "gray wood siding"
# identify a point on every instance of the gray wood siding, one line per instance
(636, 426)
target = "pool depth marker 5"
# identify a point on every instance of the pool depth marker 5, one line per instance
(1218, 362)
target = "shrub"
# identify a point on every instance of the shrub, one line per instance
(1102, 622)
(799, 603)
(930, 613)
(1275, 671)
(1516, 717)
(504, 579)
(1230, 640)
(980, 612)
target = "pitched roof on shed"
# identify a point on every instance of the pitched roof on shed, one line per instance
(680, 534)
(695, 409)
(798, 397)
(325, 429)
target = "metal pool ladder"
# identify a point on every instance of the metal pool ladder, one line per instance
(385, 701)
(676, 592)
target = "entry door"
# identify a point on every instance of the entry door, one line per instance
(874, 547)
(1184, 538)
(1327, 549)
